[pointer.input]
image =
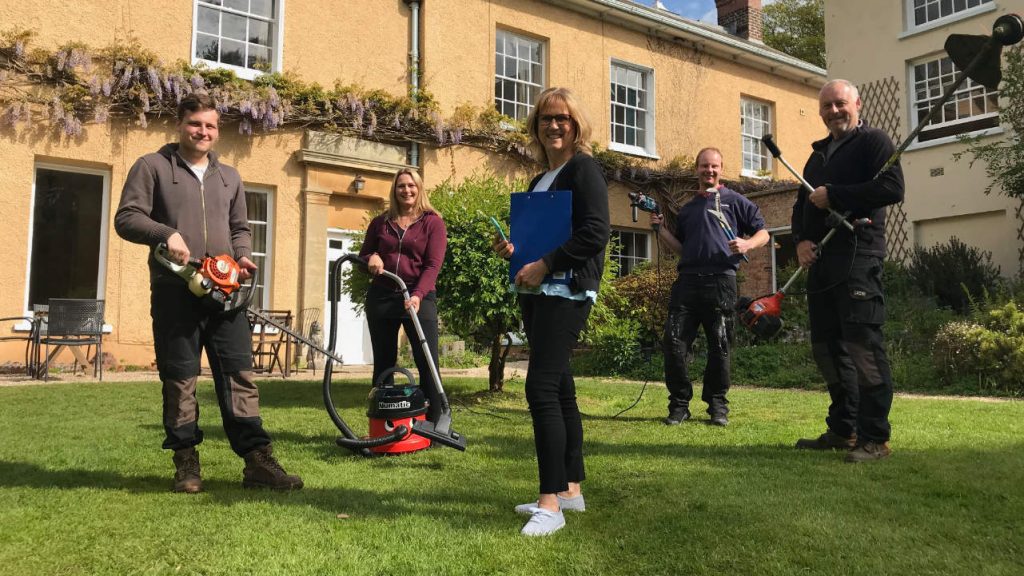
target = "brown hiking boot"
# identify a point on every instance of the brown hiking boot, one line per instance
(262, 470)
(186, 471)
(827, 441)
(869, 451)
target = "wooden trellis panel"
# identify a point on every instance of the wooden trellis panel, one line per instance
(881, 109)
(1020, 238)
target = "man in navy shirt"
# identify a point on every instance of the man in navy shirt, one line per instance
(704, 294)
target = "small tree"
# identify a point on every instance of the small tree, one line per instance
(474, 298)
(797, 27)
(1004, 157)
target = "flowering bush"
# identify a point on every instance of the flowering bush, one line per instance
(992, 352)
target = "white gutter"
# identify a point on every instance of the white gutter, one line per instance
(674, 27)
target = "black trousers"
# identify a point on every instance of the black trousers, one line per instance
(696, 302)
(553, 326)
(385, 313)
(182, 328)
(847, 310)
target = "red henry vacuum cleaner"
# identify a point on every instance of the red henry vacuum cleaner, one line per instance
(398, 422)
(979, 57)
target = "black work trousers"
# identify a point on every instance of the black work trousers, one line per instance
(182, 328)
(385, 313)
(699, 301)
(553, 326)
(847, 310)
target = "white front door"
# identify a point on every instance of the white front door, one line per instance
(353, 341)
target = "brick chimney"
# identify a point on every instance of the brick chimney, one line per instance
(741, 18)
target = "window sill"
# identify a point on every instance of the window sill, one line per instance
(26, 327)
(954, 139)
(243, 73)
(633, 151)
(947, 20)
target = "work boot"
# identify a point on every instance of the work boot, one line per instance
(186, 471)
(868, 452)
(676, 416)
(719, 419)
(827, 441)
(262, 470)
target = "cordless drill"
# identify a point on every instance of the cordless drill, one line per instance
(640, 201)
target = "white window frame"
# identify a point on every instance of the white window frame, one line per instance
(749, 137)
(909, 19)
(636, 260)
(101, 277)
(969, 86)
(276, 34)
(773, 235)
(647, 147)
(266, 271)
(537, 85)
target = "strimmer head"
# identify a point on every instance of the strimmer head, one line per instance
(980, 57)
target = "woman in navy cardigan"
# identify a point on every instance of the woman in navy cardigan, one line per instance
(408, 240)
(553, 313)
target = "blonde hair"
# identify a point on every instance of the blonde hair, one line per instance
(579, 120)
(696, 161)
(422, 202)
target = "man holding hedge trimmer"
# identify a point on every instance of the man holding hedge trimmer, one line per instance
(844, 284)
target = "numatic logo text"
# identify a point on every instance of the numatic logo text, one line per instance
(393, 405)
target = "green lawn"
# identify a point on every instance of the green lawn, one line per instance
(84, 489)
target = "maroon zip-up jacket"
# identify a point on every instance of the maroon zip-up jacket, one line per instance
(415, 257)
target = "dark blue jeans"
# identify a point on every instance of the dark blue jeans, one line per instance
(553, 326)
(847, 310)
(699, 301)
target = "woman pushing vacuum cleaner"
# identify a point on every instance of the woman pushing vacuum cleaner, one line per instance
(397, 414)
(403, 250)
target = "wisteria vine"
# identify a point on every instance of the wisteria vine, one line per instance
(73, 85)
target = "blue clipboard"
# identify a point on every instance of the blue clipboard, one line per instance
(539, 222)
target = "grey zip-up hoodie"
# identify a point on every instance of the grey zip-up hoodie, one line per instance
(162, 196)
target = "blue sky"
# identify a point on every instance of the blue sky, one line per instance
(696, 9)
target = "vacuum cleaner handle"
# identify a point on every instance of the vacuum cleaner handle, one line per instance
(422, 340)
(441, 430)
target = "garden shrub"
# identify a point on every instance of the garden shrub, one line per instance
(993, 351)
(611, 344)
(954, 273)
(644, 295)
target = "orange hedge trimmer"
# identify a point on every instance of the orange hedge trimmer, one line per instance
(214, 279)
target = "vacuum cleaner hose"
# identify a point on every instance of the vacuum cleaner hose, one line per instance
(349, 439)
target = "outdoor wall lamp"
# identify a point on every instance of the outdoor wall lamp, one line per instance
(359, 183)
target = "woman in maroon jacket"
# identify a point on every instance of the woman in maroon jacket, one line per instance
(408, 240)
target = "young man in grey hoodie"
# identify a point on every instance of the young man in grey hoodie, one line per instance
(182, 196)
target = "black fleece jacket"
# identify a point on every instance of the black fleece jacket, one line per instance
(583, 252)
(850, 176)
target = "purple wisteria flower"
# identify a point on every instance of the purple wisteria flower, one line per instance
(154, 82)
(197, 81)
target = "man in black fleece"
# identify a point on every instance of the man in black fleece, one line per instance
(844, 285)
(184, 197)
